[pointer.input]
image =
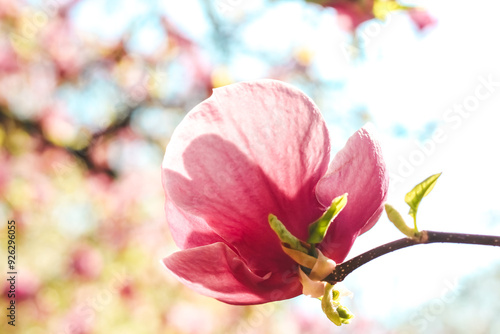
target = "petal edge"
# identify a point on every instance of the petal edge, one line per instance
(217, 271)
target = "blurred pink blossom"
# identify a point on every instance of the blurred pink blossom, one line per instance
(27, 285)
(351, 13)
(76, 323)
(9, 61)
(10, 9)
(194, 60)
(354, 12)
(250, 150)
(421, 18)
(86, 262)
(62, 44)
(57, 125)
(180, 317)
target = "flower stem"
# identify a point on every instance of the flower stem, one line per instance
(426, 237)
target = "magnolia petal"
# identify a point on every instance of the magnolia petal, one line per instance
(193, 232)
(311, 288)
(322, 268)
(343, 290)
(218, 272)
(251, 149)
(359, 170)
(299, 257)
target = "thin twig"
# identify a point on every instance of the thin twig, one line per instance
(427, 237)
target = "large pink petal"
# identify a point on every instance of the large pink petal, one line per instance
(188, 230)
(218, 272)
(359, 170)
(249, 150)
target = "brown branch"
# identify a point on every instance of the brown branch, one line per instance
(34, 129)
(427, 237)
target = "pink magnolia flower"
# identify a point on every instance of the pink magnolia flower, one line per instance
(250, 150)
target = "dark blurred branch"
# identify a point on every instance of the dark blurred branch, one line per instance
(427, 237)
(112, 129)
(34, 129)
